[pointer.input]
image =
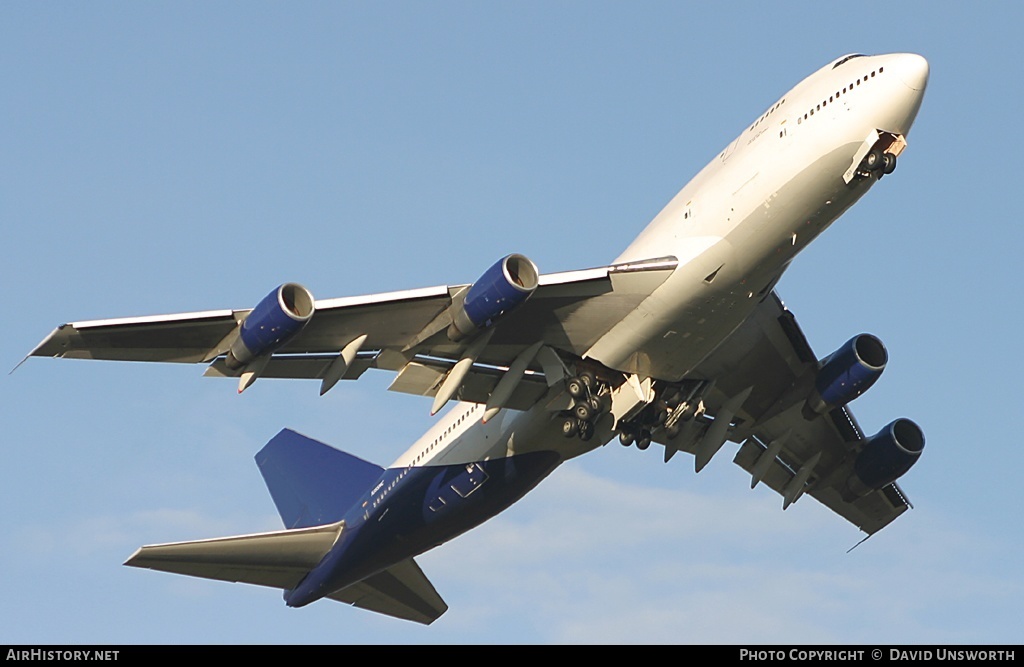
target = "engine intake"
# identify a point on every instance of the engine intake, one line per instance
(847, 373)
(505, 286)
(273, 322)
(886, 456)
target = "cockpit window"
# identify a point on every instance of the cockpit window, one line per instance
(849, 57)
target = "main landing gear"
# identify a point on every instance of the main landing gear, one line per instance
(675, 406)
(591, 399)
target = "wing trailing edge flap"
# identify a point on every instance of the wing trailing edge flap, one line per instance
(425, 377)
(304, 367)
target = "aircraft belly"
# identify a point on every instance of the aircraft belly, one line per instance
(423, 507)
(487, 469)
(514, 433)
(711, 293)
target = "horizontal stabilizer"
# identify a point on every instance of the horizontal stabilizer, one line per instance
(279, 559)
(312, 484)
(402, 591)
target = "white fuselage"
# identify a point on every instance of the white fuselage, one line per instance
(734, 229)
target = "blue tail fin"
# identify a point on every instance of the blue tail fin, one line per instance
(312, 484)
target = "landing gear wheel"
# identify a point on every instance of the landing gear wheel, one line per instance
(570, 427)
(588, 380)
(626, 438)
(888, 163)
(586, 431)
(583, 412)
(644, 441)
(672, 431)
(873, 160)
(576, 388)
(596, 405)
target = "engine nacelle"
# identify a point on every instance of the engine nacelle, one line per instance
(886, 456)
(502, 288)
(273, 322)
(847, 373)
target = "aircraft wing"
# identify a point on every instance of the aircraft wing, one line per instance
(770, 355)
(404, 331)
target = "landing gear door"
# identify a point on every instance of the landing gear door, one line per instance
(858, 157)
(887, 143)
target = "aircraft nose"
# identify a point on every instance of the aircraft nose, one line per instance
(913, 71)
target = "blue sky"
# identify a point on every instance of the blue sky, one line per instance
(167, 157)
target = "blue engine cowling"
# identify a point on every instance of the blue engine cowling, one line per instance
(847, 373)
(886, 456)
(272, 323)
(502, 288)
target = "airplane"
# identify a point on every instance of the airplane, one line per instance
(681, 341)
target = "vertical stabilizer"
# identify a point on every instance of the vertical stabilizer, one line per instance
(311, 483)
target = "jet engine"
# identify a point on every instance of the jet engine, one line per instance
(502, 288)
(886, 456)
(273, 322)
(847, 373)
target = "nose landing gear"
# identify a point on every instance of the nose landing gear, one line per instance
(877, 164)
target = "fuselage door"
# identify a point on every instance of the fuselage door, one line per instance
(469, 481)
